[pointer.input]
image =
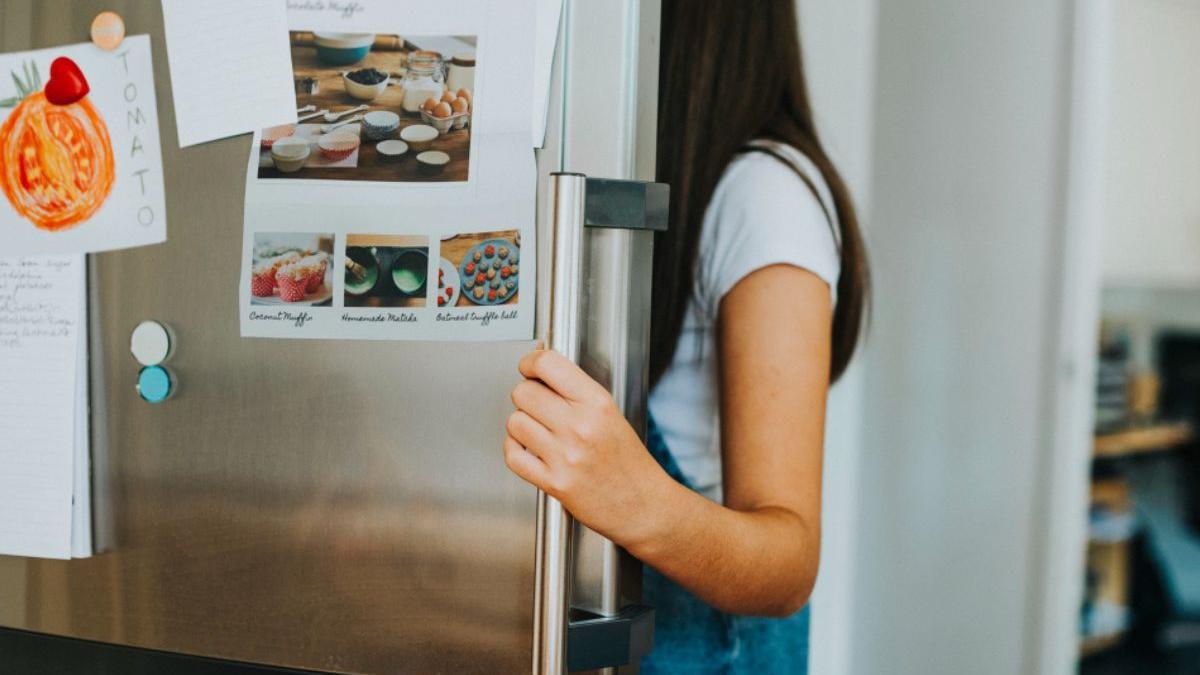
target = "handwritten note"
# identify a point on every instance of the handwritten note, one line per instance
(231, 67)
(41, 332)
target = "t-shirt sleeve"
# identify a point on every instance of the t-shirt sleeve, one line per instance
(763, 214)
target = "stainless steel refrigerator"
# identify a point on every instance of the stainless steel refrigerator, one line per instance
(341, 506)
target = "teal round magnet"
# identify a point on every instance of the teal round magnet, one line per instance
(154, 384)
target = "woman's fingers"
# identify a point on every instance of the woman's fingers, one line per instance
(559, 373)
(525, 464)
(530, 434)
(542, 403)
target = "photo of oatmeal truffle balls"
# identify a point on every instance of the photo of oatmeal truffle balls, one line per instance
(487, 266)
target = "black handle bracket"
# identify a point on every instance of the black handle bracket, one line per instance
(595, 641)
(626, 204)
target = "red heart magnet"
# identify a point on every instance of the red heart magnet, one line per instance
(67, 83)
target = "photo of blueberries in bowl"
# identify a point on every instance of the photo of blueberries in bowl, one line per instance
(365, 84)
(367, 76)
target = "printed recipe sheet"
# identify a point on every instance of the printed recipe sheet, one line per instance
(401, 204)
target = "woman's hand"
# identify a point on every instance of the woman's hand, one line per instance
(568, 438)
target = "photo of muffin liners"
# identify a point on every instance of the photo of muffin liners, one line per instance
(293, 282)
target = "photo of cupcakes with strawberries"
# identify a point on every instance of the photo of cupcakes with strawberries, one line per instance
(293, 283)
(291, 269)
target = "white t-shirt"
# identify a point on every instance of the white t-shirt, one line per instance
(761, 214)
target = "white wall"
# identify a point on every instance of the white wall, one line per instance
(1152, 227)
(966, 231)
(838, 37)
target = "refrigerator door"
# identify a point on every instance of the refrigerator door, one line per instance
(330, 505)
(333, 506)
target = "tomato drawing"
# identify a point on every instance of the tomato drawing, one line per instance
(57, 155)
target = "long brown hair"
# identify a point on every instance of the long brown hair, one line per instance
(731, 72)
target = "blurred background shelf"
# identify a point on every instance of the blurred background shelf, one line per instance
(1094, 645)
(1143, 439)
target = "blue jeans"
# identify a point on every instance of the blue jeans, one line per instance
(690, 637)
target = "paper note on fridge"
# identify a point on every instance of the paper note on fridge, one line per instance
(42, 398)
(549, 17)
(230, 67)
(80, 162)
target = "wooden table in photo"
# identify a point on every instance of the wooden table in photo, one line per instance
(454, 250)
(332, 96)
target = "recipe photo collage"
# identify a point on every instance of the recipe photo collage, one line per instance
(385, 271)
(396, 207)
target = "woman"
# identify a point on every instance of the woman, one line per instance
(759, 289)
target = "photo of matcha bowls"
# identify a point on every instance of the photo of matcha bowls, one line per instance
(386, 271)
(292, 269)
(488, 265)
(362, 270)
(410, 270)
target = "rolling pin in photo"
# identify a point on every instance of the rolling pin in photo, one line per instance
(383, 43)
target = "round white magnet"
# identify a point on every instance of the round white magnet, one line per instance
(150, 343)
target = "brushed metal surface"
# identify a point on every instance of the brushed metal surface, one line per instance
(332, 505)
(617, 273)
(562, 332)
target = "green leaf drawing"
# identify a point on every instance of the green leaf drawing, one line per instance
(31, 83)
(20, 86)
(10, 102)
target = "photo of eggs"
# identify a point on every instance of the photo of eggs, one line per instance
(488, 266)
(292, 269)
(385, 270)
(376, 107)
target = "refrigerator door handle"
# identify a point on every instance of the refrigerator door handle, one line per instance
(608, 638)
(561, 330)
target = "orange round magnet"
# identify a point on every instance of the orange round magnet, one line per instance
(108, 30)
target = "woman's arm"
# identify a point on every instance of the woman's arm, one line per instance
(758, 553)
